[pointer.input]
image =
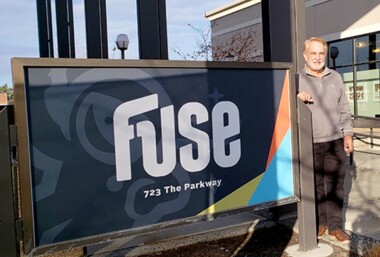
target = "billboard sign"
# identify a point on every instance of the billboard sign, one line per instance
(110, 146)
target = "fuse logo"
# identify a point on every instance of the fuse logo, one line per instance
(225, 123)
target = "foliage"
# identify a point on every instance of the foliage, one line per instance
(9, 90)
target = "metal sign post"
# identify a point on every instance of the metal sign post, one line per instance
(306, 207)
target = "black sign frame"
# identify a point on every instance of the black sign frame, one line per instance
(21, 67)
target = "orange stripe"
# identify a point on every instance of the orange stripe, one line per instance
(283, 120)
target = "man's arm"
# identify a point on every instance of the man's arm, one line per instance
(345, 118)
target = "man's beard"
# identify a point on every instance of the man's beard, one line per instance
(318, 66)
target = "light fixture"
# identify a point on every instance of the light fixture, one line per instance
(334, 52)
(361, 44)
(122, 43)
(376, 50)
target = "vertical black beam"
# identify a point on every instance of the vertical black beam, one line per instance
(371, 53)
(283, 31)
(151, 18)
(65, 28)
(96, 28)
(8, 241)
(45, 31)
(276, 20)
(283, 36)
(298, 32)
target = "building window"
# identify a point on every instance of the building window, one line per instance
(341, 53)
(358, 61)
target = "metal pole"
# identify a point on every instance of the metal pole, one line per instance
(306, 207)
(283, 36)
(45, 31)
(283, 31)
(151, 16)
(96, 29)
(65, 28)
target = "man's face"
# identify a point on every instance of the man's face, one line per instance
(315, 56)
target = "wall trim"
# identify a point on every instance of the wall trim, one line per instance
(230, 8)
(315, 2)
(242, 4)
(352, 32)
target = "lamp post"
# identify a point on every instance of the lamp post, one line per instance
(122, 42)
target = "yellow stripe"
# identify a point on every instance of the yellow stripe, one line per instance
(238, 198)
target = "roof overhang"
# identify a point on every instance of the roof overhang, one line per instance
(230, 8)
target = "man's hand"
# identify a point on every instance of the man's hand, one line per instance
(348, 145)
(305, 97)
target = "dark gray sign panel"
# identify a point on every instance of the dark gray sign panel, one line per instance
(114, 147)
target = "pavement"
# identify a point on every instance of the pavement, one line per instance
(362, 203)
(362, 190)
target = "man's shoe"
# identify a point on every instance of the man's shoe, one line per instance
(321, 230)
(340, 235)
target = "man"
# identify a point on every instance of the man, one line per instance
(322, 89)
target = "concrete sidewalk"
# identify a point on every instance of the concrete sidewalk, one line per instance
(361, 207)
(362, 190)
(362, 200)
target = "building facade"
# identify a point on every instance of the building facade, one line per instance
(351, 28)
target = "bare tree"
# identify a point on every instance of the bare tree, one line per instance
(243, 45)
(204, 49)
(240, 45)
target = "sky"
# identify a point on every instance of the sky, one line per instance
(19, 31)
